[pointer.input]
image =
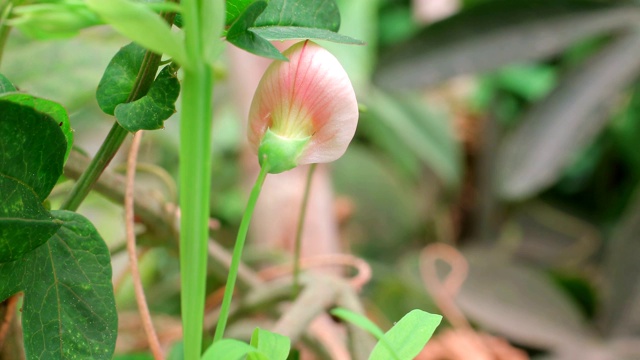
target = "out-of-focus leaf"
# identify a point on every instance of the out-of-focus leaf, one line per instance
(69, 309)
(622, 300)
(520, 303)
(407, 337)
(57, 112)
(55, 20)
(119, 77)
(496, 33)
(228, 349)
(429, 137)
(360, 320)
(150, 111)
(533, 156)
(532, 82)
(139, 23)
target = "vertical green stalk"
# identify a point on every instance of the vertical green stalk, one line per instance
(298, 244)
(237, 254)
(195, 176)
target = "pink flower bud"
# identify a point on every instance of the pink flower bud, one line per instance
(304, 111)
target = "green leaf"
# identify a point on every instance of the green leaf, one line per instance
(495, 33)
(24, 223)
(273, 346)
(240, 36)
(139, 23)
(408, 336)
(119, 77)
(234, 8)
(56, 20)
(33, 147)
(272, 33)
(534, 155)
(320, 14)
(228, 349)
(69, 309)
(56, 111)
(6, 85)
(150, 111)
(359, 320)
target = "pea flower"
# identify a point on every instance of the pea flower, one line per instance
(304, 111)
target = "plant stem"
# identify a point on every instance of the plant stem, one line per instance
(114, 139)
(237, 254)
(298, 244)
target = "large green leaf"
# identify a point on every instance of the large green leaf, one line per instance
(320, 14)
(51, 108)
(69, 309)
(495, 33)
(142, 25)
(119, 77)
(33, 147)
(273, 33)
(234, 8)
(150, 111)
(546, 140)
(24, 223)
(407, 337)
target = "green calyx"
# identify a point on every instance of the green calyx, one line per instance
(280, 153)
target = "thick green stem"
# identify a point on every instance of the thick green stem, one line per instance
(237, 254)
(298, 244)
(114, 139)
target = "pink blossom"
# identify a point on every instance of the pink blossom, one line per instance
(304, 109)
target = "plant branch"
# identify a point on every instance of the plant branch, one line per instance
(143, 308)
(298, 243)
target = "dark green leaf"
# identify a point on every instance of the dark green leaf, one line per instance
(240, 36)
(408, 336)
(320, 14)
(547, 139)
(496, 33)
(24, 223)
(296, 32)
(235, 8)
(150, 111)
(69, 309)
(6, 85)
(33, 147)
(119, 77)
(51, 108)
(273, 346)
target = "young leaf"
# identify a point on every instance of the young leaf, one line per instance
(69, 308)
(51, 108)
(408, 336)
(6, 85)
(150, 111)
(359, 320)
(273, 33)
(228, 349)
(139, 23)
(273, 346)
(240, 36)
(119, 77)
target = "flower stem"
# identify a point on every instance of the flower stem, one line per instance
(237, 254)
(298, 244)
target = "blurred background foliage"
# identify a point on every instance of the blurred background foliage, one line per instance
(509, 129)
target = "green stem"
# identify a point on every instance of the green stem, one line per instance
(5, 11)
(237, 254)
(298, 244)
(114, 139)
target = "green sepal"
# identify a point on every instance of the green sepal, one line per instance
(279, 153)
